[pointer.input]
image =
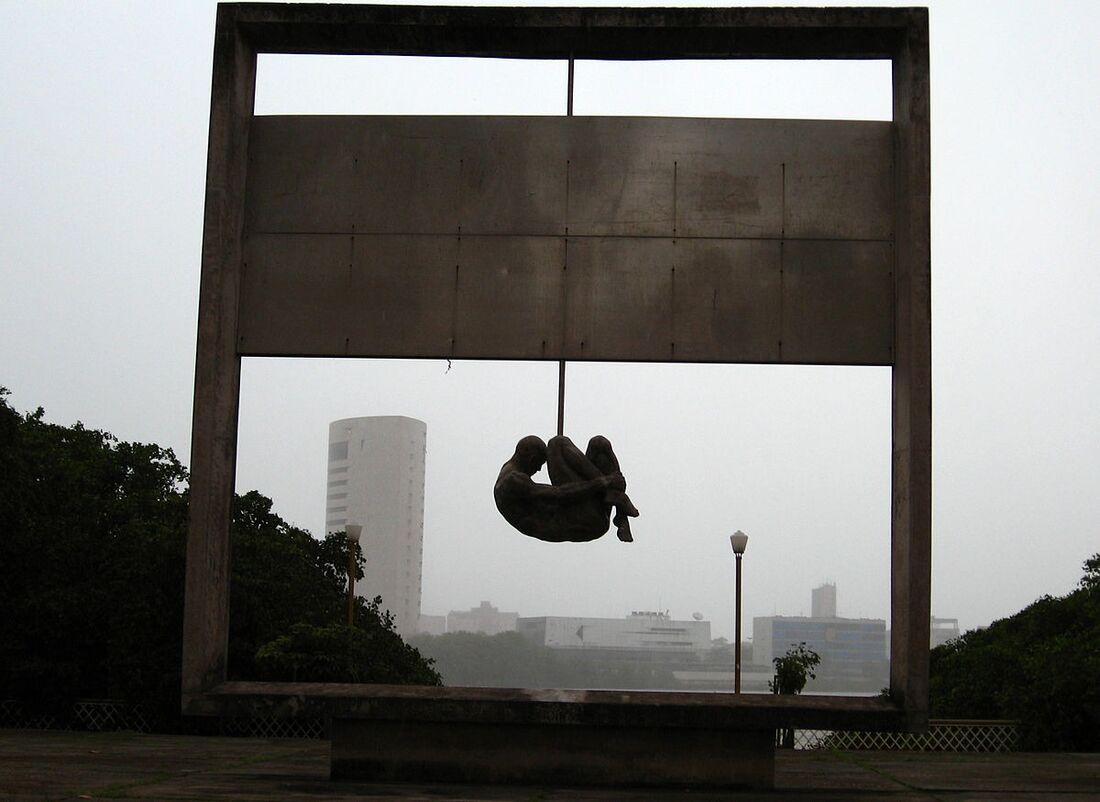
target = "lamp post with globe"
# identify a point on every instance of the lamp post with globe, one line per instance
(739, 540)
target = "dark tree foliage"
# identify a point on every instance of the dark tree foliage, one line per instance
(91, 563)
(92, 545)
(367, 652)
(794, 669)
(281, 576)
(1091, 579)
(288, 604)
(1040, 667)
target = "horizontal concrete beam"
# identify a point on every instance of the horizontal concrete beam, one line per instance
(552, 707)
(583, 33)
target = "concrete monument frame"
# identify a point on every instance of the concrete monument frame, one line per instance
(244, 30)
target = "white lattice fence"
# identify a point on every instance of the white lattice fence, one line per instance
(107, 715)
(274, 727)
(15, 714)
(942, 736)
(95, 715)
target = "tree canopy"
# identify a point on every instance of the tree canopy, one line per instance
(91, 562)
(91, 575)
(1040, 667)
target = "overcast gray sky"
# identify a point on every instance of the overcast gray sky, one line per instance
(103, 125)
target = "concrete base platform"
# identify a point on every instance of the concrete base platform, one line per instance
(550, 754)
(37, 765)
(397, 733)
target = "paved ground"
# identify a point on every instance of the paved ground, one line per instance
(39, 765)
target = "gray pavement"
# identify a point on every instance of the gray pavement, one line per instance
(49, 765)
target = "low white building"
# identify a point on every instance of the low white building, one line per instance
(652, 631)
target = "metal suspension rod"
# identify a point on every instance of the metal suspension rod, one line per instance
(569, 90)
(561, 362)
(561, 397)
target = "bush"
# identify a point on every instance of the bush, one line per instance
(1040, 667)
(341, 653)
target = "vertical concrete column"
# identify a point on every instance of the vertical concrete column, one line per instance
(911, 539)
(217, 364)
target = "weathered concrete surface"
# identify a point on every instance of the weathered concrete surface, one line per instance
(579, 238)
(37, 765)
(533, 754)
(654, 709)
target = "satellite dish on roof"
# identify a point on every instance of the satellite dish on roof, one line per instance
(697, 616)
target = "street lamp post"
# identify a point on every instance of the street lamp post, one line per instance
(352, 531)
(739, 540)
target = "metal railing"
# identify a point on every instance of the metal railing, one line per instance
(944, 735)
(92, 715)
(269, 727)
(108, 715)
(111, 715)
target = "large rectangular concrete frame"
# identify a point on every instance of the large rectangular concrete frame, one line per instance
(511, 238)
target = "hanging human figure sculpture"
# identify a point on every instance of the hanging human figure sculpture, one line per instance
(577, 505)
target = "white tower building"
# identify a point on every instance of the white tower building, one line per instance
(376, 479)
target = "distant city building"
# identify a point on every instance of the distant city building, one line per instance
(852, 650)
(943, 630)
(823, 601)
(484, 618)
(432, 624)
(650, 631)
(940, 631)
(376, 480)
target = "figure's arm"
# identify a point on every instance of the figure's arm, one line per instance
(569, 491)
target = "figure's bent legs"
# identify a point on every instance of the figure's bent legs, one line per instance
(565, 463)
(601, 455)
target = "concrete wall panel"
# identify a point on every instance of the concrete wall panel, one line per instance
(513, 175)
(297, 285)
(674, 225)
(402, 293)
(339, 295)
(619, 298)
(727, 300)
(839, 182)
(592, 298)
(598, 176)
(509, 297)
(838, 300)
(301, 175)
(621, 179)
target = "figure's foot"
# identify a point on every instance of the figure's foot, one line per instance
(622, 504)
(623, 530)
